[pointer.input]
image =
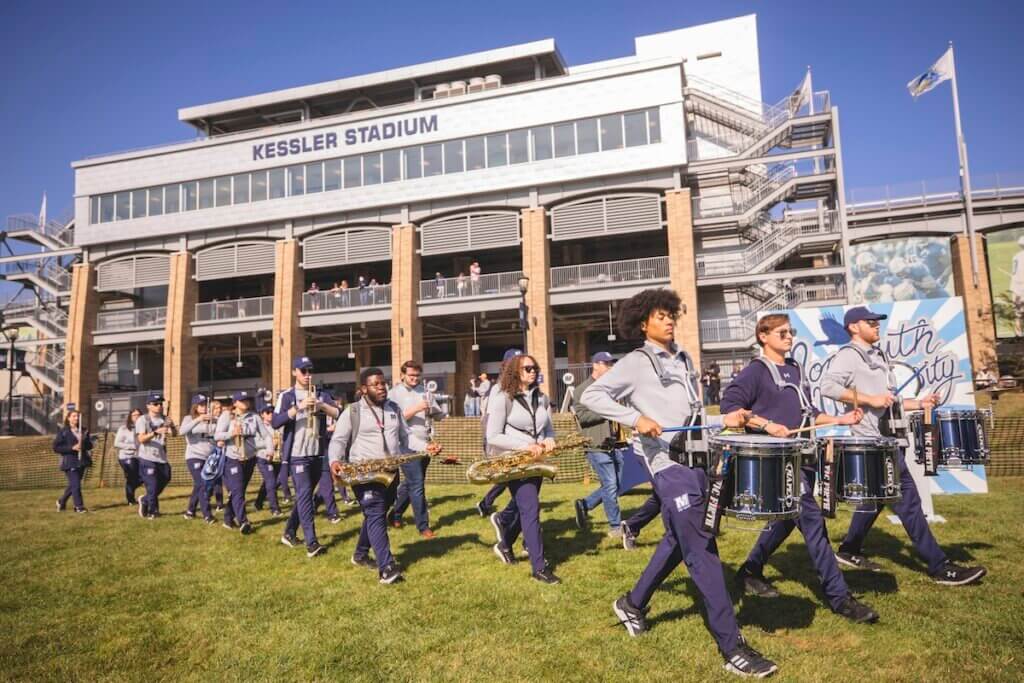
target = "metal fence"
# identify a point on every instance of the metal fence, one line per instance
(340, 299)
(465, 286)
(255, 307)
(131, 319)
(610, 272)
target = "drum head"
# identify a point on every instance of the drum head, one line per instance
(863, 441)
(754, 440)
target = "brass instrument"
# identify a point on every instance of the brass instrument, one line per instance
(311, 437)
(275, 452)
(380, 471)
(522, 464)
(239, 438)
(430, 387)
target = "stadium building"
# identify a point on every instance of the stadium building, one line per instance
(435, 211)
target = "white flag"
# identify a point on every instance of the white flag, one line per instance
(941, 70)
(801, 95)
(42, 213)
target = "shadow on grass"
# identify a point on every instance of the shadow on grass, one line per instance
(783, 612)
(441, 500)
(423, 549)
(896, 547)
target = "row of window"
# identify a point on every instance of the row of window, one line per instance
(585, 136)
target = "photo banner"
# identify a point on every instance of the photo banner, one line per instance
(901, 269)
(1005, 250)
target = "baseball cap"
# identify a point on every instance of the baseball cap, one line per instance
(510, 354)
(858, 313)
(602, 357)
(199, 399)
(303, 363)
(267, 409)
(241, 396)
(155, 397)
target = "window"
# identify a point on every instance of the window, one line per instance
(453, 158)
(190, 192)
(432, 160)
(206, 193)
(241, 183)
(392, 165)
(223, 191)
(172, 198)
(541, 143)
(123, 201)
(371, 169)
(332, 174)
(611, 133)
(296, 180)
(353, 172)
(314, 177)
(156, 201)
(565, 140)
(259, 186)
(518, 147)
(653, 126)
(586, 136)
(275, 183)
(139, 204)
(94, 209)
(106, 208)
(497, 150)
(413, 163)
(636, 128)
(475, 154)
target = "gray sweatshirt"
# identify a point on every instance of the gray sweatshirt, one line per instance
(198, 437)
(406, 398)
(154, 450)
(250, 432)
(848, 370)
(383, 433)
(125, 443)
(634, 382)
(510, 426)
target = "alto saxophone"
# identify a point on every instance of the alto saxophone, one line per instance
(239, 438)
(275, 454)
(380, 470)
(522, 464)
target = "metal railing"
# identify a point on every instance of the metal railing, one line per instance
(779, 235)
(610, 272)
(255, 307)
(58, 277)
(131, 319)
(740, 328)
(937, 191)
(54, 227)
(340, 299)
(458, 288)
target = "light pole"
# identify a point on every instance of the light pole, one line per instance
(524, 311)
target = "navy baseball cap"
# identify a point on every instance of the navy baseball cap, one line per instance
(267, 409)
(858, 313)
(155, 397)
(71, 407)
(241, 396)
(510, 354)
(303, 363)
(602, 357)
(199, 399)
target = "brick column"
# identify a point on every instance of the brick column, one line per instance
(81, 365)
(981, 340)
(181, 349)
(406, 328)
(577, 343)
(682, 269)
(467, 364)
(540, 339)
(289, 340)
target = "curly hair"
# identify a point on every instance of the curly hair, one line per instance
(508, 380)
(638, 308)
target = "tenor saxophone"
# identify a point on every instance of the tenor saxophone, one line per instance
(522, 464)
(378, 470)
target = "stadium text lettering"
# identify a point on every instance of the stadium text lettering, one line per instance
(352, 136)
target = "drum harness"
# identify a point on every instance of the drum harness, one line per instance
(893, 422)
(809, 452)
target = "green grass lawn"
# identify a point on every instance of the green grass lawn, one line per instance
(108, 596)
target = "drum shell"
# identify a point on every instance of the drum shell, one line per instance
(867, 470)
(763, 476)
(963, 437)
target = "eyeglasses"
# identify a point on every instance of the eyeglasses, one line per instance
(529, 368)
(786, 333)
(305, 371)
(873, 323)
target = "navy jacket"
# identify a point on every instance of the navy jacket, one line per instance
(285, 402)
(71, 459)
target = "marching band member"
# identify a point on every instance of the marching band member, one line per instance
(486, 505)
(773, 388)
(152, 430)
(417, 410)
(239, 430)
(218, 483)
(304, 451)
(266, 454)
(860, 372)
(73, 444)
(519, 418)
(127, 450)
(372, 428)
(198, 428)
(656, 384)
(647, 513)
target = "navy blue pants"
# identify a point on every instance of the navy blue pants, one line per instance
(523, 514)
(132, 481)
(413, 490)
(236, 475)
(910, 513)
(325, 490)
(306, 477)
(647, 513)
(199, 495)
(282, 478)
(155, 476)
(681, 491)
(74, 488)
(374, 500)
(268, 491)
(811, 523)
(492, 495)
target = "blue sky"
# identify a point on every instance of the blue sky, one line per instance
(84, 78)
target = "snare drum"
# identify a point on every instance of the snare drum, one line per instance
(762, 475)
(867, 469)
(963, 439)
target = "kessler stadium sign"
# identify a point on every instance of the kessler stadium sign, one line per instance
(354, 135)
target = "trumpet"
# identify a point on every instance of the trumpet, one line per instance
(568, 379)
(311, 442)
(431, 387)
(522, 464)
(380, 471)
(239, 438)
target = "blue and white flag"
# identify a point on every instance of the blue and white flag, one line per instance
(940, 71)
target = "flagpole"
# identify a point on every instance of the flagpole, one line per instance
(965, 174)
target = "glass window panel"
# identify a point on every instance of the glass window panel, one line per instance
(392, 165)
(497, 150)
(432, 155)
(156, 201)
(106, 208)
(371, 169)
(475, 157)
(276, 183)
(565, 140)
(139, 204)
(190, 190)
(314, 177)
(413, 163)
(454, 162)
(223, 191)
(654, 125)
(296, 180)
(94, 209)
(259, 186)
(586, 136)
(611, 132)
(332, 174)
(541, 143)
(241, 189)
(206, 193)
(172, 198)
(518, 146)
(123, 202)
(636, 128)
(353, 172)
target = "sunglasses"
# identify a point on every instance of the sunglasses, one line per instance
(873, 323)
(529, 368)
(304, 371)
(786, 333)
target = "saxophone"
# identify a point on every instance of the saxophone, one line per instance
(239, 438)
(522, 464)
(380, 470)
(275, 453)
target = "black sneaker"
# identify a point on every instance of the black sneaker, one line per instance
(188, 515)
(210, 520)
(747, 662)
(628, 537)
(258, 506)
(955, 575)
(81, 511)
(314, 550)
(245, 529)
(60, 508)
(546, 576)
(290, 540)
(390, 574)
(857, 612)
(142, 507)
(857, 561)
(133, 502)
(581, 513)
(229, 527)
(635, 620)
(334, 520)
(220, 507)
(754, 584)
(483, 508)
(504, 553)
(499, 531)
(364, 561)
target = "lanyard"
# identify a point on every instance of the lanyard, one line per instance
(380, 425)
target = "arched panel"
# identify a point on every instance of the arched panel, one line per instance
(470, 231)
(233, 260)
(349, 245)
(606, 215)
(125, 274)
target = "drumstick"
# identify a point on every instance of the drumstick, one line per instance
(808, 429)
(856, 400)
(686, 429)
(917, 371)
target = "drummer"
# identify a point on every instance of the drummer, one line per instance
(773, 387)
(860, 372)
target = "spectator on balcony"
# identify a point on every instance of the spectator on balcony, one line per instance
(373, 290)
(344, 293)
(460, 285)
(314, 295)
(438, 285)
(474, 277)
(364, 294)
(715, 373)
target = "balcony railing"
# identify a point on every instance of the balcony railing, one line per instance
(740, 328)
(610, 272)
(131, 319)
(928, 192)
(344, 299)
(779, 236)
(463, 287)
(255, 307)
